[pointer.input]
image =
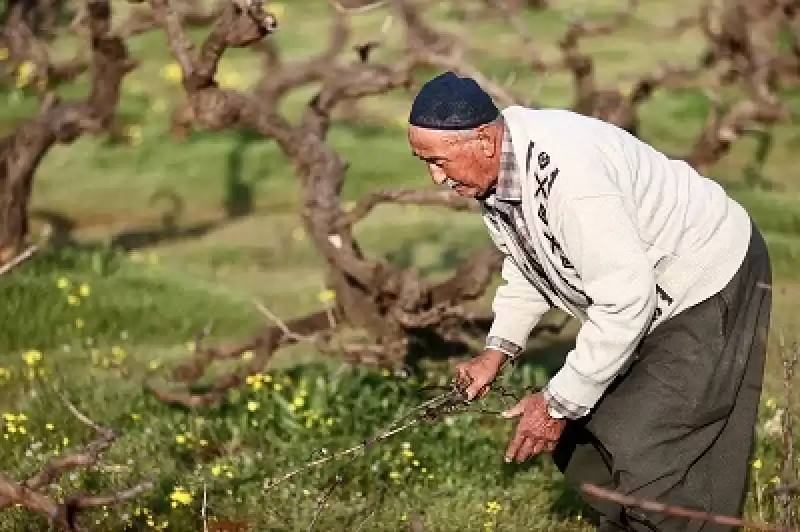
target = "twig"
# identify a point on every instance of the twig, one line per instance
(280, 323)
(679, 511)
(19, 259)
(358, 10)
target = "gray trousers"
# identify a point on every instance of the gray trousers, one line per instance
(679, 426)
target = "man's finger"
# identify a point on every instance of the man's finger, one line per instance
(538, 447)
(514, 411)
(525, 450)
(514, 446)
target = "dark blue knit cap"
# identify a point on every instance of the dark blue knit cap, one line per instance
(450, 102)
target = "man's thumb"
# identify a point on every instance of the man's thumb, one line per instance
(514, 411)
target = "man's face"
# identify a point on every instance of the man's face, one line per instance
(468, 162)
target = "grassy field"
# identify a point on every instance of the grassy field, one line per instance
(212, 222)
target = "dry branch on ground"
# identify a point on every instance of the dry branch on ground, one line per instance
(32, 493)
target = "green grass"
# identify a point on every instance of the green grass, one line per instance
(211, 223)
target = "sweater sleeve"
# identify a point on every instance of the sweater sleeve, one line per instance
(518, 306)
(602, 243)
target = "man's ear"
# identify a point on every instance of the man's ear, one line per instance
(488, 137)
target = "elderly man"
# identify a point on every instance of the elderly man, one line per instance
(668, 276)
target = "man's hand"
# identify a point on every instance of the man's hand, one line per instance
(479, 372)
(536, 431)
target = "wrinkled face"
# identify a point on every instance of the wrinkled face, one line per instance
(468, 161)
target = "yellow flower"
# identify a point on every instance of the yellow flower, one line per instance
(63, 283)
(408, 454)
(775, 480)
(7, 416)
(277, 9)
(22, 430)
(78, 323)
(415, 463)
(299, 402)
(32, 357)
(247, 355)
(394, 475)
(65, 441)
(73, 300)
(757, 463)
(180, 496)
(154, 364)
(134, 134)
(326, 295)
(252, 406)
(771, 403)
(216, 470)
(85, 290)
(492, 507)
(22, 417)
(191, 346)
(50, 426)
(25, 74)
(385, 372)
(180, 439)
(10, 427)
(230, 79)
(277, 387)
(5, 373)
(172, 73)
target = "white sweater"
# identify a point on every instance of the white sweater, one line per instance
(627, 237)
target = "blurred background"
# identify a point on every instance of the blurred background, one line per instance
(179, 215)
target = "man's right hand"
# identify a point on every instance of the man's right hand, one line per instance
(479, 372)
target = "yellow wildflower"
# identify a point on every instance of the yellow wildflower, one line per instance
(277, 387)
(216, 470)
(25, 74)
(73, 300)
(85, 290)
(180, 496)
(5, 373)
(134, 134)
(771, 403)
(79, 323)
(277, 9)
(180, 439)
(154, 364)
(65, 441)
(492, 507)
(252, 406)
(172, 73)
(191, 346)
(32, 357)
(247, 355)
(49, 426)
(757, 463)
(326, 296)
(22, 417)
(22, 429)
(775, 480)
(299, 402)
(63, 283)
(394, 475)
(10, 427)
(408, 453)
(8, 416)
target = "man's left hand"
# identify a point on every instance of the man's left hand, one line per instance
(537, 431)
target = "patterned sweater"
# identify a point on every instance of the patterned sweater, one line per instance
(612, 232)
